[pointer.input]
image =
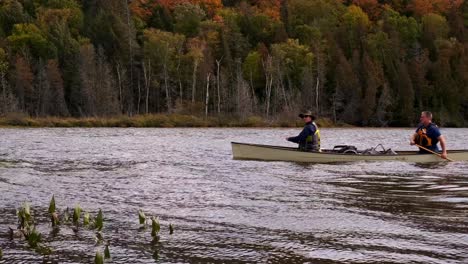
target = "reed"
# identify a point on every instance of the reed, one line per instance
(99, 238)
(98, 259)
(141, 217)
(54, 218)
(99, 221)
(24, 216)
(52, 205)
(155, 227)
(76, 215)
(33, 237)
(86, 218)
(66, 216)
(107, 252)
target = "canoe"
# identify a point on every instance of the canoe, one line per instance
(243, 151)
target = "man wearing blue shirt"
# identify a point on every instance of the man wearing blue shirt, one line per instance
(428, 135)
(309, 138)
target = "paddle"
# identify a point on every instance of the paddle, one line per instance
(435, 153)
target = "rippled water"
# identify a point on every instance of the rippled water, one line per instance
(227, 211)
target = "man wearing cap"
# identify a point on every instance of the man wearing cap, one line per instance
(309, 138)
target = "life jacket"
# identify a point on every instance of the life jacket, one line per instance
(422, 138)
(312, 141)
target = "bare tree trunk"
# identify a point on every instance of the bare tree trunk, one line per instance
(130, 48)
(4, 100)
(119, 83)
(267, 67)
(147, 76)
(283, 90)
(334, 108)
(194, 79)
(166, 87)
(320, 76)
(207, 97)
(317, 95)
(139, 95)
(218, 64)
(254, 96)
(268, 90)
(179, 81)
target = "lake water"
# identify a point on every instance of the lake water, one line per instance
(229, 211)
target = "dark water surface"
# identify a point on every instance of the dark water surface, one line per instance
(227, 211)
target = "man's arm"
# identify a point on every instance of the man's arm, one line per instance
(413, 138)
(301, 137)
(442, 144)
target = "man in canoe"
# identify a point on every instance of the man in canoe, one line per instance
(428, 135)
(309, 138)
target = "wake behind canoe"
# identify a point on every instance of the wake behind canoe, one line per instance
(243, 151)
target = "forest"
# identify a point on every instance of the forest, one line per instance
(358, 62)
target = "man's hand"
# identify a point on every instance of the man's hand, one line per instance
(444, 155)
(412, 143)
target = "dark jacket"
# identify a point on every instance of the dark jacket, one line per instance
(308, 139)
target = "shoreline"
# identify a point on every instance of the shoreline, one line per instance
(17, 120)
(156, 121)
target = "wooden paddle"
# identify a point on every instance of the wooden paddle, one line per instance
(435, 153)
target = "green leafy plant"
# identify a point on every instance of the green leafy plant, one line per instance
(52, 205)
(24, 216)
(142, 217)
(155, 226)
(99, 222)
(98, 259)
(107, 252)
(32, 236)
(54, 218)
(86, 218)
(76, 214)
(99, 238)
(171, 229)
(66, 216)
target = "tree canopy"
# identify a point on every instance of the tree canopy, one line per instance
(363, 62)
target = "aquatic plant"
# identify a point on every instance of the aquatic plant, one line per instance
(33, 237)
(66, 216)
(99, 222)
(76, 214)
(141, 217)
(155, 227)
(52, 205)
(24, 216)
(156, 255)
(99, 258)
(86, 218)
(1, 254)
(54, 218)
(107, 252)
(99, 238)
(171, 229)
(43, 250)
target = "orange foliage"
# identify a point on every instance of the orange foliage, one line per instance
(424, 7)
(271, 8)
(144, 8)
(210, 6)
(371, 7)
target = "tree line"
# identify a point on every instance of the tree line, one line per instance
(362, 62)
